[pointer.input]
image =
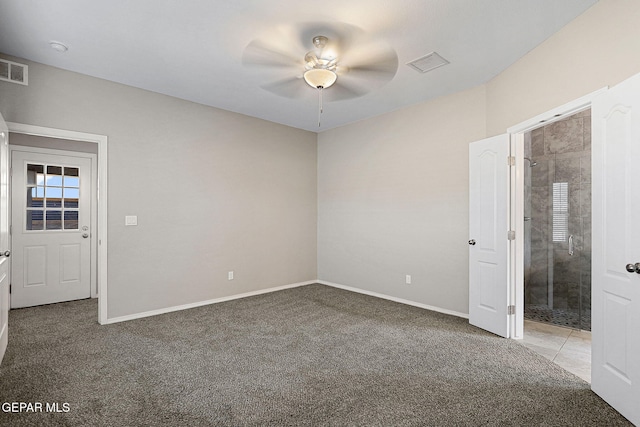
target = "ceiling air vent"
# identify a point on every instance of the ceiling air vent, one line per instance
(14, 72)
(428, 62)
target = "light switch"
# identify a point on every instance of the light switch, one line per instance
(131, 220)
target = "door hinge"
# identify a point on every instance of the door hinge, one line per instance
(511, 309)
(9, 289)
(511, 235)
(511, 160)
(10, 229)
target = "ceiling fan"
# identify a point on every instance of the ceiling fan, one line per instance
(320, 56)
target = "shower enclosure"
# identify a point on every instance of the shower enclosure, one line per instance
(557, 264)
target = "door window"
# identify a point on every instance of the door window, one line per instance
(53, 193)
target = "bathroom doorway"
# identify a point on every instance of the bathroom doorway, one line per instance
(557, 242)
(557, 222)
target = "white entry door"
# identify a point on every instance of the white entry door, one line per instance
(51, 228)
(615, 368)
(488, 239)
(4, 237)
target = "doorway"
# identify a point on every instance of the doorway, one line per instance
(53, 218)
(557, 222)
(615, 268)
(82, 142)
(554, 193)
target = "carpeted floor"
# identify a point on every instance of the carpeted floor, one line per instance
(313, 355)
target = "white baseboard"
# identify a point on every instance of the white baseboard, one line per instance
(279, 288)
(390, 298)
(207, 302)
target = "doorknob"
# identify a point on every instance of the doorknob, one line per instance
(472, 242)
(634, 268)
(85, 235)
(5, 254)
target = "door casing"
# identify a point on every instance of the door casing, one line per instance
(101, 197)
(516, 209)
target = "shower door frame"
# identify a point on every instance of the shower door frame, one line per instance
(516, 209)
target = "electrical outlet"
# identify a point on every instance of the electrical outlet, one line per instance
(230, 275)
(407, 279)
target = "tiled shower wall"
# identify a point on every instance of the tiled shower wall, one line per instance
(553, 278)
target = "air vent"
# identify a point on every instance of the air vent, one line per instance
(14, 72)
(428, 62)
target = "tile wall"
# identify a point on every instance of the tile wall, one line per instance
(553, 278)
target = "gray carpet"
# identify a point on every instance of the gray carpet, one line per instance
(313, 355)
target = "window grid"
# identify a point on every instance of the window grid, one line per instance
(52, 199)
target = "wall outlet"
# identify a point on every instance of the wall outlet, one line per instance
(407, 279)
(230, 275)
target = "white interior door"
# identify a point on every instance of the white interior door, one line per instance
(488, 238)
(615, 368)
(51, 223)
(4, 237)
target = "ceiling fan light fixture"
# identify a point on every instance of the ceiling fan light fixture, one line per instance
(320, 78)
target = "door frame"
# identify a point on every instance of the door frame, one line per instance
(516, 209)
(101, 198)
(93, 208)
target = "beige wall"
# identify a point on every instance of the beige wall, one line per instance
(213, 190)
(393, 190)
(217, 191)
(393, 200)
(597, 49)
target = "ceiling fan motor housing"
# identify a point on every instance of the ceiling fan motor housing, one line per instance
(320, 70)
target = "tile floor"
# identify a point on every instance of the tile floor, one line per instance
(568, 348)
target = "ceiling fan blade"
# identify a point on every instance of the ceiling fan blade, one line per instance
(381, 65)
(344, 88)
(383, 69)
(260, 53)
(292, 87)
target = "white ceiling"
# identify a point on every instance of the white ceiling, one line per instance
(193, 49)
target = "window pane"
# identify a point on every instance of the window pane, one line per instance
(35, 174)
(71, 220)
(54, 193)
(70, 203)
(71, 177)
(54, 175)
(35, 196)
(54, 220)
(71, 196)
(34, 220)
(54, 203)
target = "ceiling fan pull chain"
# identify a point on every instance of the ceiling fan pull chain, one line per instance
(319, 104)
